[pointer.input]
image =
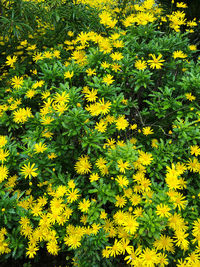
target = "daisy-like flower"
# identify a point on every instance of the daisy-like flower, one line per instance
(94, 177)
(121, 123)
(195, 150)
(108, 79)
(29, 170)
(3, 173)
(11, 61)
(190, 97)
(181, 5)
(147, 130)
(3, 140)
(123, 166)
(83, 165)
(140, 64)
(37, 57)
(105, 65)
(40, 147)
(91, 96)
(3, 155)
(162, 210)
(192, 47)
(68, 74)
(17, 82)
(155, 62)
(179, 54)
(116, 56)
(91, 72)
(72, 195)
(84, 205)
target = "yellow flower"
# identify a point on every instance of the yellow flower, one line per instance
(80, 57)
(21, 115)
(122, 165)
(162, 210)
(38, 84)
(105, 65)
(103, 215)
(31, 250)
(115, 67)
(181, 5)
(179, 54)
(192, 47)
(140, 64)
(29, 170)
(52, 247)
(121, 123)
(73, 241)
(120, 201)
(3, 140)
(24, 43)
(68, 74)
(72, 195)
(101, 126)
(45, 94)
(47, 54)
(176, 222)
(17, 82)
(195, 150)
(46, 120)
(91, 96)
(122, 181)
(83, 37)
(155, 62)
(62, 97)
(133, 255)
(149, 257)
(83, 165)
(52, 156)
(108, 79)
(101, 163)
(10, 61)
(91, 72)
(60, 108)
(180, 239)
(130, 224)
(56, 53)
(190, 97)
(192, 23)
(147, 130)
(154, 143)
(70, 33)
(3, 155)
(116, 56)
(37, 57)
(3, 173)
(40, 147)
(84, 205)
(31, 47)
(118, 44)
(107, 20)
(94, 177)
(193, 165)
(30, 93)
(34, 72)
(116, 249)
(103, 107)
(179, 200)
(145, 158)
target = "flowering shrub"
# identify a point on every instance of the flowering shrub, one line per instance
(99, 143)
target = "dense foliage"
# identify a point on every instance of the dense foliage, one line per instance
(99, 137)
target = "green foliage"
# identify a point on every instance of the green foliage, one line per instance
(99, 138)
